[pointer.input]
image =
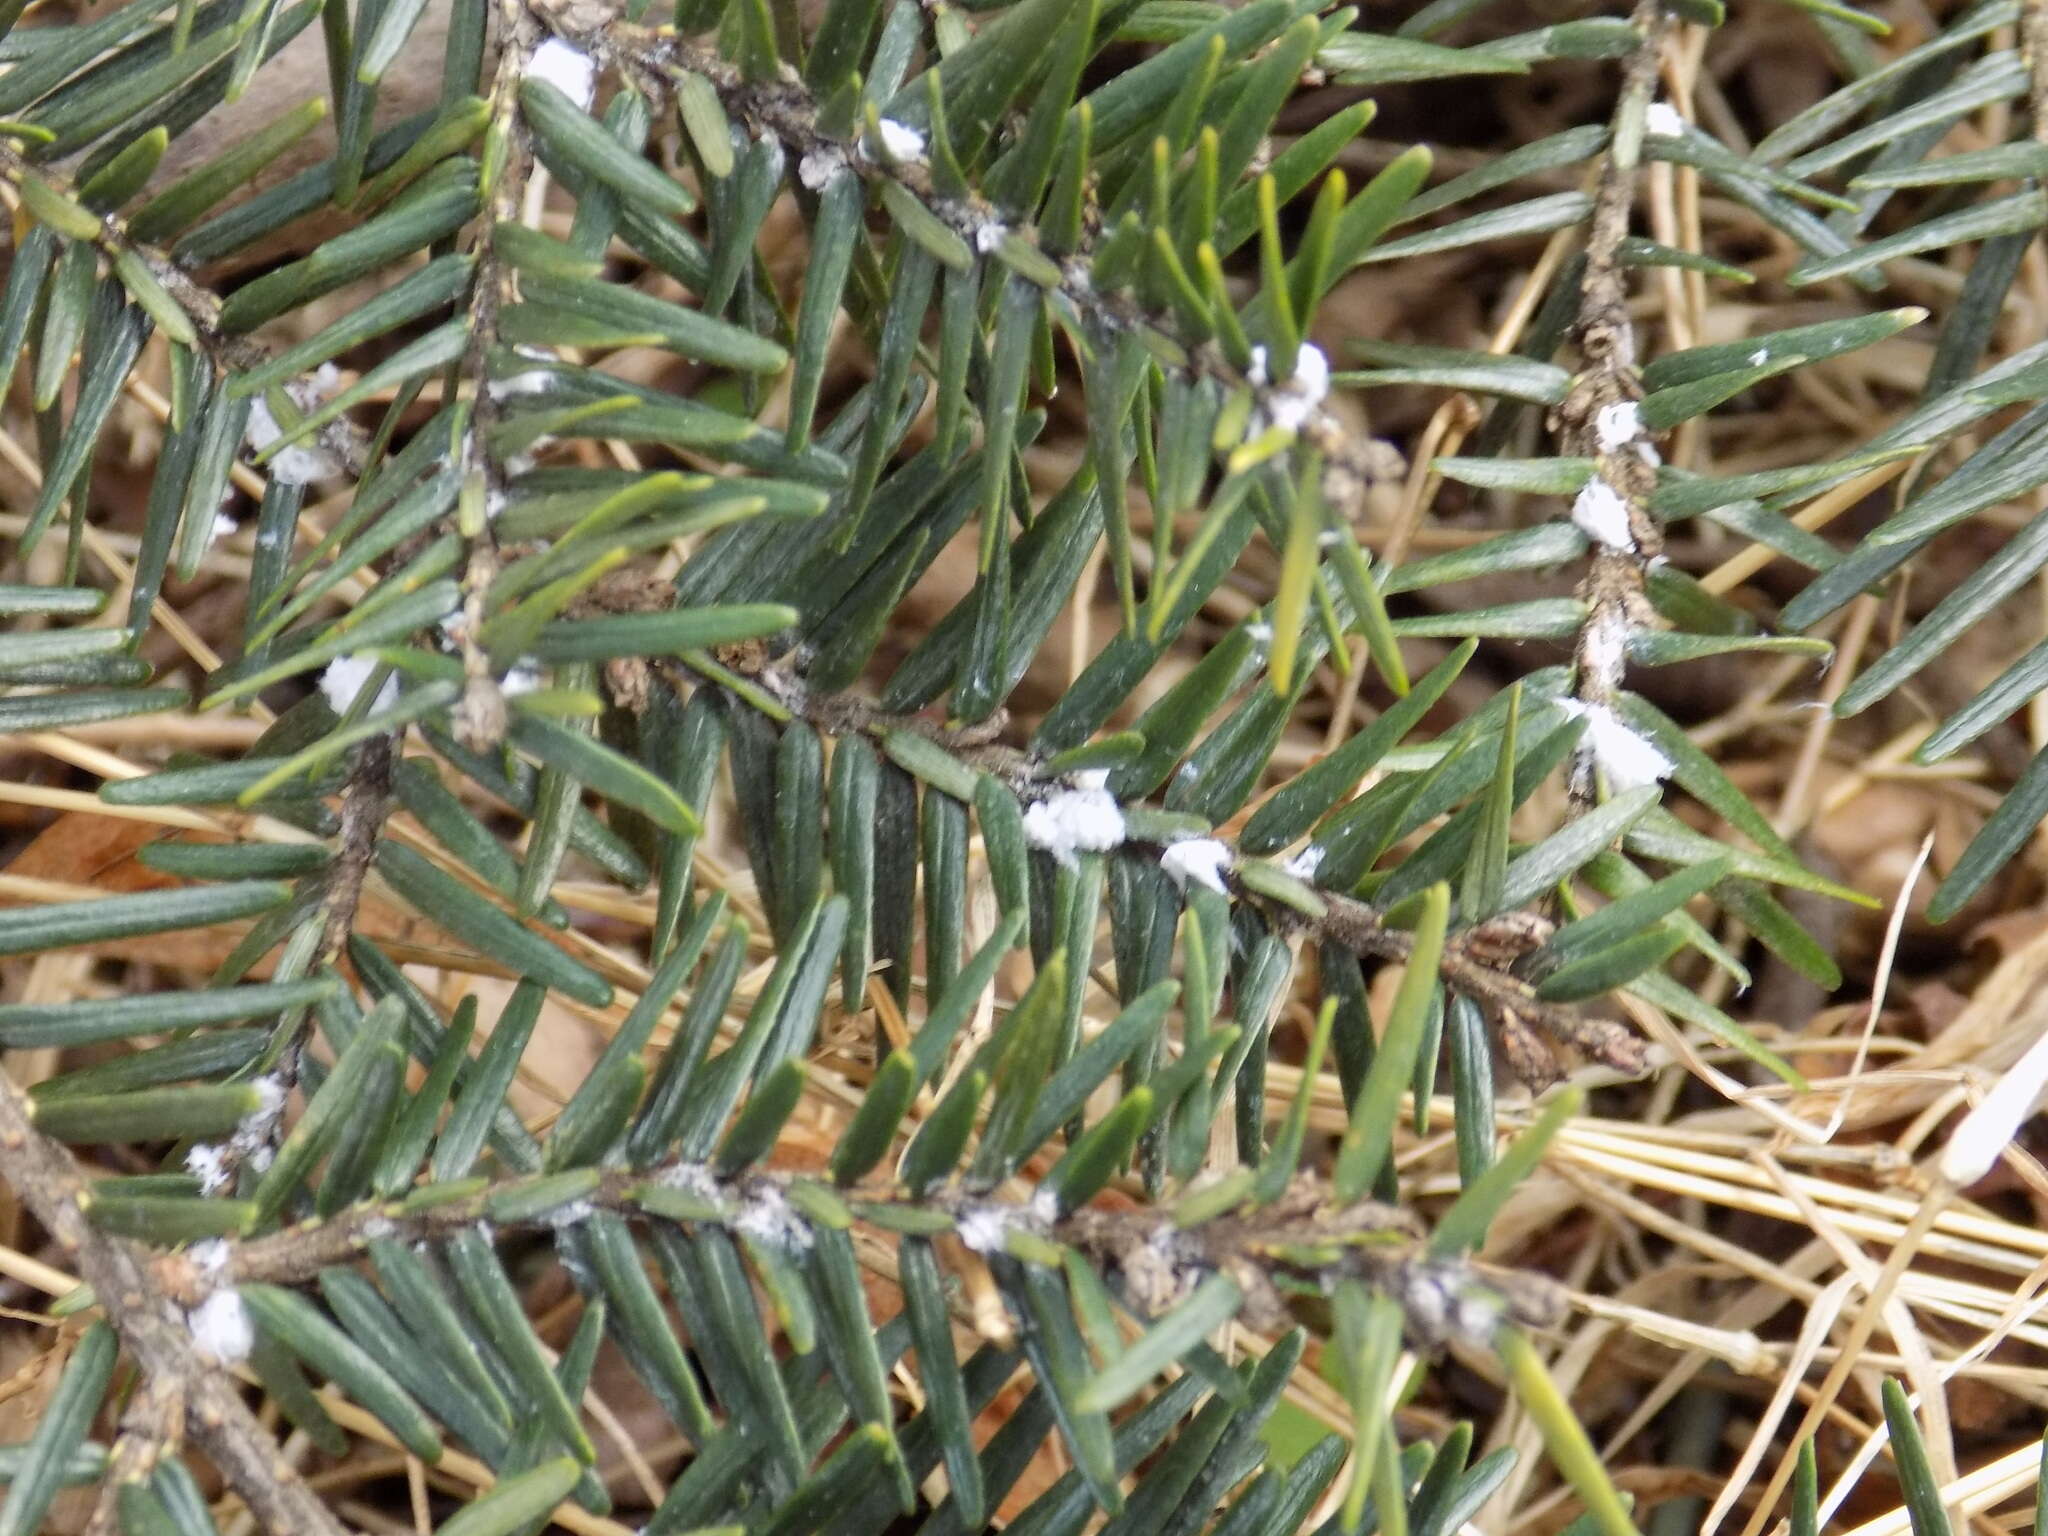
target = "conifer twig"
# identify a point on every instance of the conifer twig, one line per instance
(200, 306)
(1600, 419)
(783, 110)
(1159, 1256)
(480, 716)
(46, 1178)
(1477, 963)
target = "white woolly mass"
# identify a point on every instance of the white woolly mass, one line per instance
(1662, 119)
(208, 1163)
(1618, 425)
(522, 677)
(221, 1328)
(1605, 651)
(494, 505)
(1198, 859)
(901, 142)
(1311, 370)
(534, 381)
(983, 1227)
(694, 1179)
(1759, 357)
(1602, 516)
(210, 1256)
(345, 677)
(818, 168)
(223, 528)
(1990, 1127)
(1303, 865)
(567, 68)
(300, 464)
(1628, 760)
(1256, 373)
(1072, 821)
(574, 1214)
(989, 236)
(251, 1141)
(768, 1218)
(1289, 404)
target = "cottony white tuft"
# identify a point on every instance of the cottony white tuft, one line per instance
(1759, 357)
(567, 68)
(1303, 865)
(1628, 760)
(989, 235)
(251, 1141)
(1200, 859)
(534, 381)
(1618, 425)
(1289, 404)
(983, 1227)
(1605, 652)
(345, 677)
(818, 167)
(901, 142)
(1602, 516)
(694, 1179)
(223, 528)
(301, 464)
(769, 1219)
(522, 677)
(1662, 119)
(1072, 821)
(1988, 1129)
(221, 1328)
(208, 1163)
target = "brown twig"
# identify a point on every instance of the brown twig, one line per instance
(365, 802)
(480, 716)
(2034, 48)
